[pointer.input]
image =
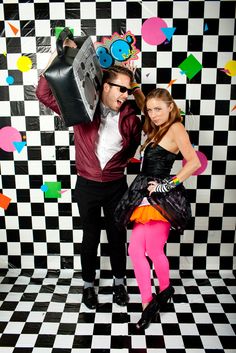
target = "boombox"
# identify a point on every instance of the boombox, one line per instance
(75, 78)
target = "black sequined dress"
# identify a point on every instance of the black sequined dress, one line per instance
(173, 205)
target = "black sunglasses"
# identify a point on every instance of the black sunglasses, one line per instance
(123, 89)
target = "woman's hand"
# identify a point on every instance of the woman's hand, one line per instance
(135, 87)
(166, 185)
(152, 187)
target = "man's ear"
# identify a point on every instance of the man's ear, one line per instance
(106, 87)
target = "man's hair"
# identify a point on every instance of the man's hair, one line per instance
(111, 73)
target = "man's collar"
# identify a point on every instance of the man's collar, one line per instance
(106, 110)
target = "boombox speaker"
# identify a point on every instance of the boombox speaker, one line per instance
(75, 78)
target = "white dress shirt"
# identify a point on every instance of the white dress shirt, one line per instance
(109, 137)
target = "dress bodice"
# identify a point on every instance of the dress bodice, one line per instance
(157, 161)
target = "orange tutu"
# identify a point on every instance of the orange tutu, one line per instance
(144, 214)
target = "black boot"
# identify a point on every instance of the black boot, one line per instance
(164, 296)
(148, 314)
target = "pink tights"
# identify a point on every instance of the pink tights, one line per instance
(149, 238)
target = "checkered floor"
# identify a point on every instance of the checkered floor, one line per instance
(41, 312)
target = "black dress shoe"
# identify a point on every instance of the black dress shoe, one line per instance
(149, 314)
(90, 297)
(120, 295)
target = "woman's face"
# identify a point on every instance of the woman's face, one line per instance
(158, 111)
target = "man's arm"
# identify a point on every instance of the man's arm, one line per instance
(43, 91)
(45, 96)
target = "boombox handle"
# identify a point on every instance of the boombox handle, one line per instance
(64, 34)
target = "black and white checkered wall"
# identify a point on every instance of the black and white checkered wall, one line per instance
(39, 232)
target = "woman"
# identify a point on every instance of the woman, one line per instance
(155, 201)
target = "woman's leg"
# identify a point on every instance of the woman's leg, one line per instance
(137, 253)
(156, 237)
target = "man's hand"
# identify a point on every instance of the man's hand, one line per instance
(69, 43)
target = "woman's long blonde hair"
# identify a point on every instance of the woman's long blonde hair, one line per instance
(152, 131)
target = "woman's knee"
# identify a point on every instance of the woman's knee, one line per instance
(156, 256)
(137, 245)
(136, 251)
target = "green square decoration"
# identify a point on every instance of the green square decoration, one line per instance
(53, 189)
(190, 66)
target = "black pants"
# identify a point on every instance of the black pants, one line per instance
(92, 196)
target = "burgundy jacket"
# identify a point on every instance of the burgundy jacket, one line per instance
(85, 138)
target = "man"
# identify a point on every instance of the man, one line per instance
(103, 149)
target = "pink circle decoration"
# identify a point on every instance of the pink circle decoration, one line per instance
(151, 30)
(203, 161)
(8, 135)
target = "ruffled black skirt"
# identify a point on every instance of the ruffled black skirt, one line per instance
(173, 205)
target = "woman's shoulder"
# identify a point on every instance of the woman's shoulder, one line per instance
(177, 128)
(177, 125)
(179, 134)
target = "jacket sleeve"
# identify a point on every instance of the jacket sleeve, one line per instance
(135, 139)
(45, 96)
